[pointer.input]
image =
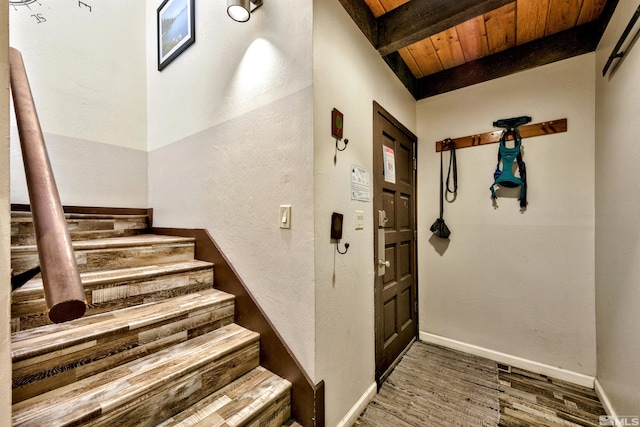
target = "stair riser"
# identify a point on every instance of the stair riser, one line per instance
(258, 398)
(176, 396)
(46, 372)
(108, 297)
(22, 232)
(115, 258)
(275, 415)
(173, 394)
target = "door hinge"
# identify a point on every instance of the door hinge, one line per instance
(415, 235)
(415, 307)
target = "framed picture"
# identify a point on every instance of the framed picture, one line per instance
(337, 121)
(176, 29)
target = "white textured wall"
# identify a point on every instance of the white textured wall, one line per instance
(516, 283)
(232, 69)
(87, 173)
(5, 228)
(617, 212)
(87, 76)
(230, 125)
(348, 75)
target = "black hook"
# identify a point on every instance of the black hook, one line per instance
(346, 248)
(346, 141)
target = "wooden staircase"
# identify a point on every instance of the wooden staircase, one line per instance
(157, 345)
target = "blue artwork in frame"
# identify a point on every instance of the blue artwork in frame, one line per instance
(176, 29)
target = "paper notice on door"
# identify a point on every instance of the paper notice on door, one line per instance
(360, 185)
(389, 165)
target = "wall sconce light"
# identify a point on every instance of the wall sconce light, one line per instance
(240, 10)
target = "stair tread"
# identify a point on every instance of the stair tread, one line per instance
(24, 216)
(235, 404)
(115, 242)
(55, 337)
(34, 287)
(128, 383)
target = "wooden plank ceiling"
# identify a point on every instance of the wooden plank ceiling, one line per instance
(435, 46)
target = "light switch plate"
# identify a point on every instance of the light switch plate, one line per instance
(359, 220)
(285, 216)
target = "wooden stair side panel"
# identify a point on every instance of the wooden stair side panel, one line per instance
(149, 390)
(113, 289)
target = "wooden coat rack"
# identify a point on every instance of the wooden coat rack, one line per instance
(528, 131)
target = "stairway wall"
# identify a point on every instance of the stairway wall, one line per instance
(231, 182)
(88, 173)
(348, 75)
(230, 124)
(89, 85)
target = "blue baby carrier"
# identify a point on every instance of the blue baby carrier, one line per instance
(504, 177)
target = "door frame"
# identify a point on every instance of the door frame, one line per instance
(379, 114)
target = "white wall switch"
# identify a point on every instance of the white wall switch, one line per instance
(285, 216)
(359, 220)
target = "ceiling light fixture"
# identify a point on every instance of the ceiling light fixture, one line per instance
(240, 10)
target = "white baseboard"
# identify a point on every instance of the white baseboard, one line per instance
(359, 407)
(604, 399)
(507, 359)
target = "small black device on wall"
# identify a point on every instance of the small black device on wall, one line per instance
(336, 231)
(336, 226)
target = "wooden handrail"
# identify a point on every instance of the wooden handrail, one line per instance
(63, 288)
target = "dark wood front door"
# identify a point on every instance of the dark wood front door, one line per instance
(394, 204)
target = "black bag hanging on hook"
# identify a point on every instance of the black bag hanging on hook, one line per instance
(439, 228)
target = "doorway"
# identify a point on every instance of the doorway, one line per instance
(394, 207)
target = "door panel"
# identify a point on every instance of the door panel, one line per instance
(389, 206)
(396, 289)
(404, 212)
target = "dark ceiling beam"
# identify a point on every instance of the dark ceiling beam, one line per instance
(399, 67)
(419, 19)
(363, 17)
(566, 44)
(563, 45)
(605, 16)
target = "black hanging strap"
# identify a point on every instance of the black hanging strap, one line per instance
(453, 164)
(439, 228)
(441, 189)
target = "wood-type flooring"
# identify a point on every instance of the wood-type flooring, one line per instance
(435, 386)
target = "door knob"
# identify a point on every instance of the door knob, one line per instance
(383, 263)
